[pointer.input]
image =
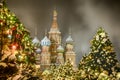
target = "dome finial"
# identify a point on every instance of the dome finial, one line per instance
(54, 22)
(54, 13)
(70, 31)
(69, 39)
(45, 32)
(35, 31)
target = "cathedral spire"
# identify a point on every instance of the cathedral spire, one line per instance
(45, 32)
(70, 32)
(55, 37)
(54, 23)
(69, 38)
(70, 53)
(35, 31)
(55, 15)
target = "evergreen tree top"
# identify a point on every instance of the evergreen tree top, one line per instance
(101, 32)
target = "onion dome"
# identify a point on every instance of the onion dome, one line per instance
(60, 49)
(35, 40)
(45, 41)
(38, 50)
(69, 39)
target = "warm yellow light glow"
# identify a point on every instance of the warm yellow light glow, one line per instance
(8, 32)
(14, 47)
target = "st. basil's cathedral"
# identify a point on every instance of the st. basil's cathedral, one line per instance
(51, 50)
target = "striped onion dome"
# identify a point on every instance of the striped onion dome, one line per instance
(38, 50)
(45, 41)
(35, 40)
(60, 49)
(69, 39)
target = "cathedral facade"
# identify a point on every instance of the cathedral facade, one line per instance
(52, 50)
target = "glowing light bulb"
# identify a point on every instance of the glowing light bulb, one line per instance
(72, 63)
(20, 57)
(9, 31)
(14, 47)
(10, 36)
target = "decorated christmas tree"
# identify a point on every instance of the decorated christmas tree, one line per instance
(61, 72)
(16, 49)
(101, 63)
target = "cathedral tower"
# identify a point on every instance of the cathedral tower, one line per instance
(45, 54)
(60, 58)
(37, 49)
(55, 38)
(70, 54)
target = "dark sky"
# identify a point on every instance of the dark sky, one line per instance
(82, 16)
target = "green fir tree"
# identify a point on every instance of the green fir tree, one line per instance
(100, 61)
(16, 48)
(64, 72)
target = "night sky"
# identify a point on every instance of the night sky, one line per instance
(84, 17)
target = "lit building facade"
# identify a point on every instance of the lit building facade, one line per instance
(52, 50)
